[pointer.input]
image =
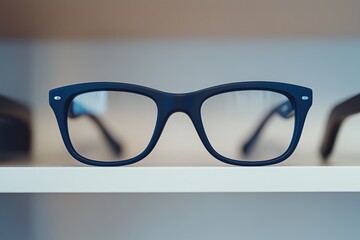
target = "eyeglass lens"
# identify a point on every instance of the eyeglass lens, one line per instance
(115, 125)
(111, 125)
(232, 119)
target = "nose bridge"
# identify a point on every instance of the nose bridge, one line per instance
(176, 102)
(186, 103)
(179, 102)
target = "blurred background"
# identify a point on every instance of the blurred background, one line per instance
(182, 46)
(177, 46)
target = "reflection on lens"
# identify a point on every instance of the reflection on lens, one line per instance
(110, 125)
(231, 121)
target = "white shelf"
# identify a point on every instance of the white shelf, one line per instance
(178, 179)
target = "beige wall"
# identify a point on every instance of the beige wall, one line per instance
(161, 18)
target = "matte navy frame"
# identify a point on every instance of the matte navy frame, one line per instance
(188, 103)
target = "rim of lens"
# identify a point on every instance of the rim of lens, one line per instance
(219, 129)
(125, 123)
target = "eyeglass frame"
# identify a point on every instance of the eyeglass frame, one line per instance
(189, 103)
(335, 120)
(19, 116)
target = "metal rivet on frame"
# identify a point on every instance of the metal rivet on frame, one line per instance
(305, 98)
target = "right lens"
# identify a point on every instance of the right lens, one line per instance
(231, 120)
(111, 125)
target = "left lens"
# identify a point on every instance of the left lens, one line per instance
(232, 119)
(111, 125)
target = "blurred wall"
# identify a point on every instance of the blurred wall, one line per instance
(172, 18)
(250, 216)
(15, 70)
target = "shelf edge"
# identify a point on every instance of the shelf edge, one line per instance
(178, 179)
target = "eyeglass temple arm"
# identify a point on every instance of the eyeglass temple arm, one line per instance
(13, 109)
(21, 115)
(337, 115)
(284, 109)
(113, 143)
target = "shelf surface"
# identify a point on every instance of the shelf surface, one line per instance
(178, 179)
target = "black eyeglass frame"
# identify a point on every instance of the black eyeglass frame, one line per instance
(18, 136)
(189, 103)
(337, 116)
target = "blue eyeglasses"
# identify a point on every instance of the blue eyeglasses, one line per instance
(245, 123)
